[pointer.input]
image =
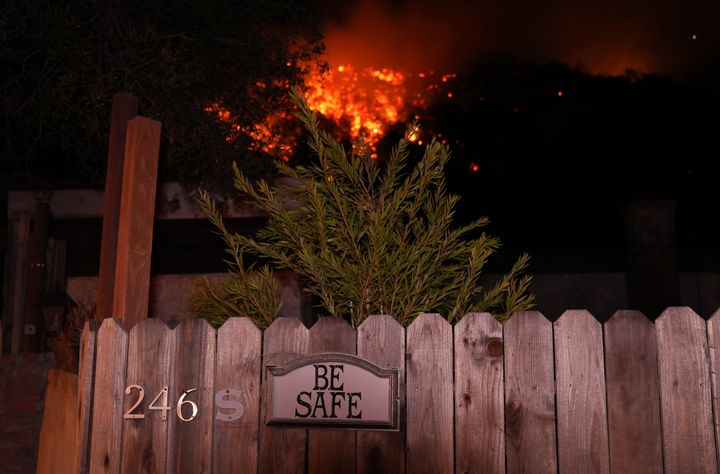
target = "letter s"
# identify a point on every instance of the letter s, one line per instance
(304, 403)
(223, 400)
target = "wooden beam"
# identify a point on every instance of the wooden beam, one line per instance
(124, 108)
(15, 278)
(37, 262)
(137, 211)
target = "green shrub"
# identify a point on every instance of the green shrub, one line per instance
(363, 238)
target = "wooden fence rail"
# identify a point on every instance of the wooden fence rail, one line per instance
(572, 396)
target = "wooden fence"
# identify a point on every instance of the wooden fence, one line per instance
(572, 396)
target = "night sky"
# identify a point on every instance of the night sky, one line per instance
(603, 36)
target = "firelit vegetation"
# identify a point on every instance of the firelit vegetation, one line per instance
(364, 238)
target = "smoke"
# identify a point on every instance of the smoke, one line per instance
(603, 36)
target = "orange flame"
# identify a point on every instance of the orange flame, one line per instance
(371, 100)
(366, 102)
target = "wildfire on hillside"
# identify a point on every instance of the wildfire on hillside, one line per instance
(362, 102)
(368, 101)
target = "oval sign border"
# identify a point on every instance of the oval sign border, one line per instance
(393, 396)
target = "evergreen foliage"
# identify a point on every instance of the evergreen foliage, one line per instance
(364, 238)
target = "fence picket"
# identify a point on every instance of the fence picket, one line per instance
(193, 367)
(331, 450)
(581, 408)
(713, 328)
(688, 441)
(107, 410)
(633, 394)
(429, 364)
(381, 340)
(150, 348)
(235, 446)
(86, 375)
(479, 398)
(529, 394)
(282, 450)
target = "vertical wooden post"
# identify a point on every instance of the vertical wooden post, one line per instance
(137, 211)
(581, 395)
(15, 278)
(86, 384)
(479, 395)
(530, 436)
(634, 426)
(37, 262)
(381, 340)
(124, 108)
(332, 450)
(429, 429)
(685, 392)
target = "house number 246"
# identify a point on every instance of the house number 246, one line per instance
(227, 399)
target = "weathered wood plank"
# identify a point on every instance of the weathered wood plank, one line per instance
(529, 394)
(479, 397)
(282, 450)
(192, 368)
(36, 273)
(633, 394)
(137, 210)
(331, 451)
(713, 329)
(581, 407)
(16, 278)
(108, 396)
(688, 441)
(429, 365)
(381, 340)
(58, 443)
(237, 380)
(151, 344)
(57, 255)
(86, 376)
(124, 108)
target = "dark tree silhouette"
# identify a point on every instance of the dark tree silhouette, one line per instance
(62, 61)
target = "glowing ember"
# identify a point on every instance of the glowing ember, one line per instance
(265, 137)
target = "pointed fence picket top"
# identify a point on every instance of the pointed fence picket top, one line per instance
(282, 450)
(479, 397)
(151, 346)
(580, 382)
(331, 450)
(713, 331)
(381, 340)
(688, 440)
(237, 381)
(529, 394)
(632, 394)
(192, 382)
(86, 374)
(429, 365)
(107, 410)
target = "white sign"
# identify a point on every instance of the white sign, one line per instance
(334, 391)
